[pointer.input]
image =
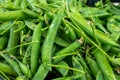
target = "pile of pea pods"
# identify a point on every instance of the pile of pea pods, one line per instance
(59, 40)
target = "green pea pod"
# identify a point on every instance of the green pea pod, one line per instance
(49, 40)
(77, 65)
(12, 63)
(4, 41)
(35, 48)
(94, 68)
(81, 22)
(70, 32)
(41, 73)
(17, 15)
(61, 42)
(68, 49)
(13, 40)
(63, 71)
(104, 65)
(24, 68)
(7, 69)
(93, 12)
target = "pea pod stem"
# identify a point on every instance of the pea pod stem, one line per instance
(66, 68)
(7, 69)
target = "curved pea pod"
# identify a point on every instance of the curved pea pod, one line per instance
(3, 42)
(50, 38)
(24, 68)
(7, 69)
(95, 69)
(18, 15)
(12, 63)
(104, 65)
(77, 65)
(81, 22)
(93, 12)
(13, 40)
(68, 49)
(35, 48)
(41, 73)
(63, 71)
